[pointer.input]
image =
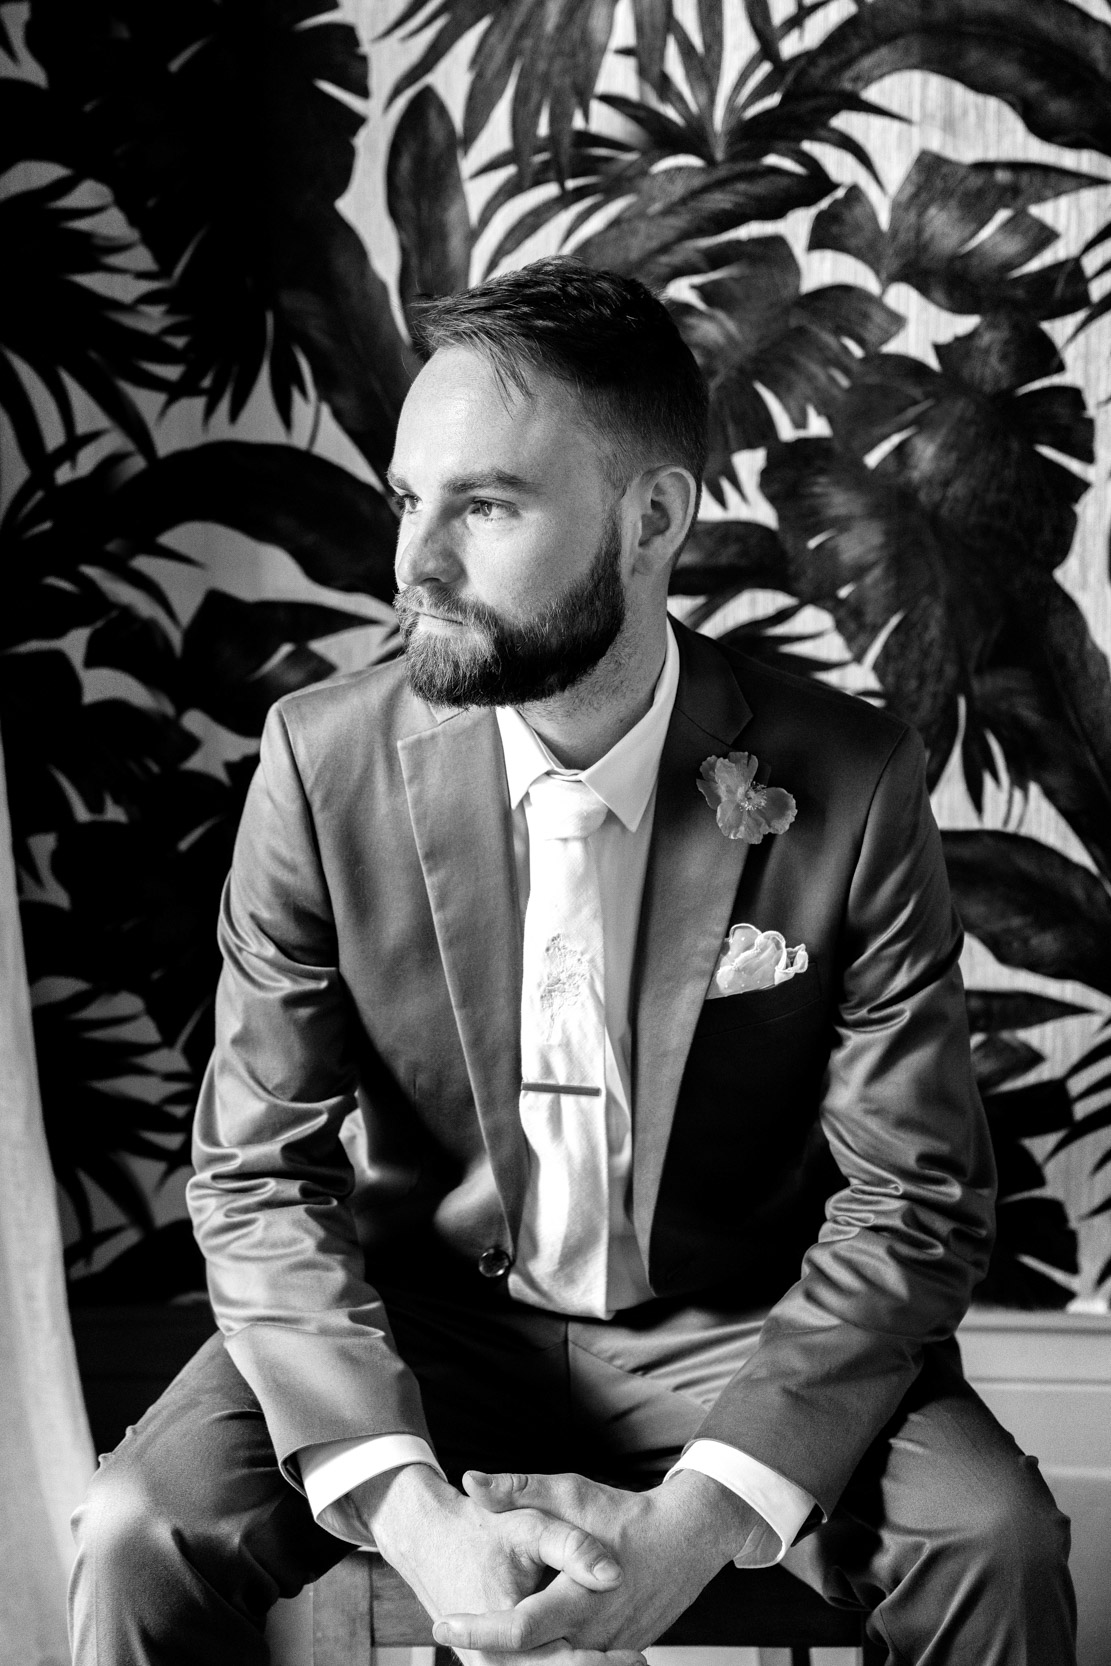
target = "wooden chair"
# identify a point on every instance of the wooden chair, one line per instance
(362, 1604)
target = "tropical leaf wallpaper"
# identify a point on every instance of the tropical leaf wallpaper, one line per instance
(884, 227)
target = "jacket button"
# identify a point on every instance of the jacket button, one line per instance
(494, 1262)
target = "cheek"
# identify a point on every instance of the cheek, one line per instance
(531, 571)
(511, 573)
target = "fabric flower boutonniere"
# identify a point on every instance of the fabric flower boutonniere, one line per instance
(753, 959)
(744, 810)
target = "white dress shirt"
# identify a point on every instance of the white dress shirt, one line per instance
(625, 780)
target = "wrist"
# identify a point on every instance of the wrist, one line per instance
(716, 1519)
(399, 1506)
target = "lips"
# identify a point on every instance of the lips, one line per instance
(445, 618)
(412, 607)
(408, 605)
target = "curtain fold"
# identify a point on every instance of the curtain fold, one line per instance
(46, 1455)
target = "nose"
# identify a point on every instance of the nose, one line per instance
(425, 552)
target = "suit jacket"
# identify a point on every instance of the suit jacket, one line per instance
(371, 936)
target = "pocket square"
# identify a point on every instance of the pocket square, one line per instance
(753, 959)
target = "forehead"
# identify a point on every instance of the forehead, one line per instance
(461, 419)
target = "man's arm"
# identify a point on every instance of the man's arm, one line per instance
(908, 1237)
(780, 1506)
(269, 1197)
(332, 1473)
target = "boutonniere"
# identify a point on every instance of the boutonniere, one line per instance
(744, 811)
(753, 959)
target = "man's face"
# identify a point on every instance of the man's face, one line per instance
(509, 557)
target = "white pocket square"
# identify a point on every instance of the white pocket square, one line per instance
(754, 959)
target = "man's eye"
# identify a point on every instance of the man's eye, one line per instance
(403, 502)
(486, 510)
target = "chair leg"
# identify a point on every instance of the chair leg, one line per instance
(873, 1653)
(343, 1614)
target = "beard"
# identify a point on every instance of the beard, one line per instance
(509, 664)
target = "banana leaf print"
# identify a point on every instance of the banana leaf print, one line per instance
(175, 104)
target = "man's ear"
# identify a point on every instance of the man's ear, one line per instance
(666, 501)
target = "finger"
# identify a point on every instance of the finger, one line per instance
(562, 1654)
(498, 1633)
(575, 1552)
(608, 1657)
(547, 1616)
(504, 1492)
(555, 1654)
(559, 1495)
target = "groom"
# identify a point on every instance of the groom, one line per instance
(589, 1169)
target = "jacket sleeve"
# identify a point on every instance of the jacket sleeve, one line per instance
(270, 1195)
(908, 1237)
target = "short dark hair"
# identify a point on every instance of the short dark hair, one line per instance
(605, 336)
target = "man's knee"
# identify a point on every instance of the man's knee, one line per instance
(1012, 1529)
(122, 1523)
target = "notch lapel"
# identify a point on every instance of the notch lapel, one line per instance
(689, 892)
(459, 805)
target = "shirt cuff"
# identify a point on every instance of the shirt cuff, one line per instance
(782, 1505)
(332, 1469)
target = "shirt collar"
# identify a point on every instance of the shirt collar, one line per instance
(625, 776)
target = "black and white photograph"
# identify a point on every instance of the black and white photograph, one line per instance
(555, 833)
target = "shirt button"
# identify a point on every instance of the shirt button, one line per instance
(494, 1262)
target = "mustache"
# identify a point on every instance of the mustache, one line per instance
(415, 599)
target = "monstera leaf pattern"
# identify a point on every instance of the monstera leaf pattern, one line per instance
(751, 328)
(685, 174)
(949, 545)
(185, 189)
(938, 238)
(557, 52)
(174, 105)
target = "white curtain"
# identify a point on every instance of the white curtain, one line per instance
(46, 1454)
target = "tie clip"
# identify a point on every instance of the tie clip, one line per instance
(557, 1087)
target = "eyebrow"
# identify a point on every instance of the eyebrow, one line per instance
(459, 485)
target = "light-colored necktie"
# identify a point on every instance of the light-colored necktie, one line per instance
(563, 1040)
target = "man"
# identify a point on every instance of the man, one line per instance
(619, 954)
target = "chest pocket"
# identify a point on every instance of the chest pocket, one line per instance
(758, 1007)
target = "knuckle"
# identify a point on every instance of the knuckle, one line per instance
(520, 1633)
(573, 1486)
(528, 1529)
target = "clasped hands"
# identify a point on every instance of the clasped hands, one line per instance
(557, 1568)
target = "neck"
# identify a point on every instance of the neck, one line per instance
(580, 725)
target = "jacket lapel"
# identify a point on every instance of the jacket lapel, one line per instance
(459, 805)
(689, 892)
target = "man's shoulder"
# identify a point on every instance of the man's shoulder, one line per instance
(820, 702)
(812, 737)
(343, 733)
(373, 702)
(817, 712)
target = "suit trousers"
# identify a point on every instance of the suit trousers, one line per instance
(947, 1533)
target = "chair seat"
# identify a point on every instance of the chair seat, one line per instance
(362, 1602)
